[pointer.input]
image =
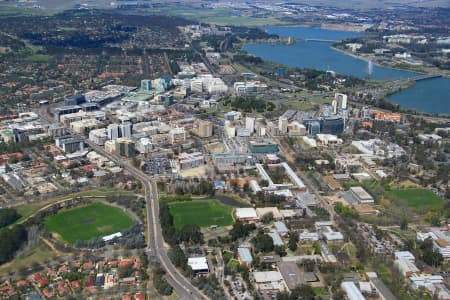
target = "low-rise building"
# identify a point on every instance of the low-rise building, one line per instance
(406, 267)
(293, 276)
(190, 160)
(261, 211)
(245, 256)
(351, 290)
(361, 195)
(199, 265)
(269, 281)
(246, 214)
(406, 255)
(281, 228)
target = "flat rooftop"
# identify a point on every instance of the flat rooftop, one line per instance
(293, 276)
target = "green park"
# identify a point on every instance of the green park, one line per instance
(87, 222)
(415, 198)
(203, 213)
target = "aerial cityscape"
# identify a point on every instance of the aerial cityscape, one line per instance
(243, 150)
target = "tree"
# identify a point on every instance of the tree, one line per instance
(267, 218)
(8, 216)
(178, 257)
(263, 243)
(160, 282)
(241, 230)
(304, 292)
(191, 234)
(429, 255)
(404, 224)
(11, 240)
(293, 240)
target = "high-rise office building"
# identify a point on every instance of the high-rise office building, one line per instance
(250, 124)
(113, 131)
(125, 130)
(283, 124)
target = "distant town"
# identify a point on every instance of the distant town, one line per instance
(146, 156)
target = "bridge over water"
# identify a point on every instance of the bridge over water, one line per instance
(321, 40)
(424, 77)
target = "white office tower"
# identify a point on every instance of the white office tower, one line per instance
(341, 100)
(250, 124)
(113, 132)
(283, 125)
(125, 130)
(334, 105)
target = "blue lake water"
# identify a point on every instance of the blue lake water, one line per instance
(431, 96)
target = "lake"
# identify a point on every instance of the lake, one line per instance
(432, 96)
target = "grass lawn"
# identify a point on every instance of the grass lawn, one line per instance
(25, 210)
(300, 105)
(38, 58)
(201, 212)
(320, 291)
(86, 222)
(37, 254)
(416, 198)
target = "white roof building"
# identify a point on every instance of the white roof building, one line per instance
(404, 255)
(269, 281)
(198, 264)
(333, 236)
(425, 281)
(309, 236)
(352, 292)
(276, 238)
(110, 237)
(281, 228)
(328, 139)
(246, 213)
(406, 267)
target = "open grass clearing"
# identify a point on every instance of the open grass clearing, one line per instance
(40, 253)
(416, 198)
(26, 210)
(38, 58)
(203, 213)
(87, 222)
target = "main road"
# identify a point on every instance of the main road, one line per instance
(156, 246)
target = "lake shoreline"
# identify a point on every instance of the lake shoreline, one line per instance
(386, 66)
(378, 64)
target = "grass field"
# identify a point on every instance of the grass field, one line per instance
(38, 58)
(84, 223)
(26, 210)
(415, 198)
(201, 212)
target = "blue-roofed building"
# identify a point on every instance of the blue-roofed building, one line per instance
(276, 238)
(281, 228)
(245, 256)
(100, 280)
(219, 185)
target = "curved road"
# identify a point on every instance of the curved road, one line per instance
(156, 246)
